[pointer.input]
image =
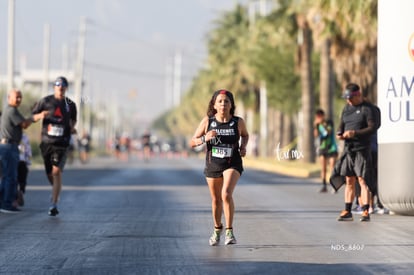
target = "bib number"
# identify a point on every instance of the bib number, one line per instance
(221, 152)
(55, 130)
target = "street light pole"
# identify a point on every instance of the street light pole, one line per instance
(46, 54)
(177, 79)
(79, 71)
(10, 52)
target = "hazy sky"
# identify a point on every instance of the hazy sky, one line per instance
(128, 43)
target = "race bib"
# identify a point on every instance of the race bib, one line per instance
(221, 152)
(55, 130)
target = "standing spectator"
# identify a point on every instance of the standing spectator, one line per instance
(327, 148)
(57, 129)
(84, 147)
(25, 161)
(223, 132)
(12, 125)
(357, 125)
(379, 208)
(146, 145)
(71, 149)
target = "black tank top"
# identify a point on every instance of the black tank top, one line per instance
(225, 146)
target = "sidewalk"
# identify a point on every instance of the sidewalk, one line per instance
(294, 168)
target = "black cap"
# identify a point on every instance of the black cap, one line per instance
(351, 90)
(61, 81)
(348, 94)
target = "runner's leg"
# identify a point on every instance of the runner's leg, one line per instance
(215, 186)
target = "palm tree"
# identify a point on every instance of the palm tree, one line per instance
(326, 79)
(227, 47)
(351, 27)
(271, 55)
(305, 67)
(346, 33)
(322, 36)
(227, 68)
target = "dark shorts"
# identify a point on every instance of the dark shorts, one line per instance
(53, 155)
(324, 153)
(373, 179)
(213, 170)
(358, 164)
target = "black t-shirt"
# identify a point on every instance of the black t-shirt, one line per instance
(360, 118)
(56, 127)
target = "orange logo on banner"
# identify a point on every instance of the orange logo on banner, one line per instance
(411, 47)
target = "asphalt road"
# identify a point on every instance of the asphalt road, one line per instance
(155, 218)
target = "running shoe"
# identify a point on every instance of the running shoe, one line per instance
(381, 211)
(365, 216)
(20, 198)
(378, 210)
(215, 237)
(324, 189)
(357, 209)
(53, 211)
(345, 216)
(229, 239)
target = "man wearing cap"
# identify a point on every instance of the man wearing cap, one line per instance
(12, 125)
(356, 126)
(57, 128)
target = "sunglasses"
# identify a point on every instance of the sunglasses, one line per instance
(58, 84)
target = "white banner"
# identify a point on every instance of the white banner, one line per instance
(396, 70)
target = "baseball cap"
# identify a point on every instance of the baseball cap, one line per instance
(348, 94)
(351, 90)
(61, 81)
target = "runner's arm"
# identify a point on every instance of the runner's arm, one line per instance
(244, 137)
(199, 136)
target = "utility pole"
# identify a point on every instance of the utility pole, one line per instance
(168, 84)
(79, 71)
(177, 79)
(263, 7)
(10, 52)
(65, 57)
(46, 54)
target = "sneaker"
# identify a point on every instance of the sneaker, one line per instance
(53, 211)
(229, 239)
(345, 216)
(215, 237)
(365, 216)
(357, 209)
(324, 189)
(20, 198)
(378, 210)
(10, 210)
(381, 211)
